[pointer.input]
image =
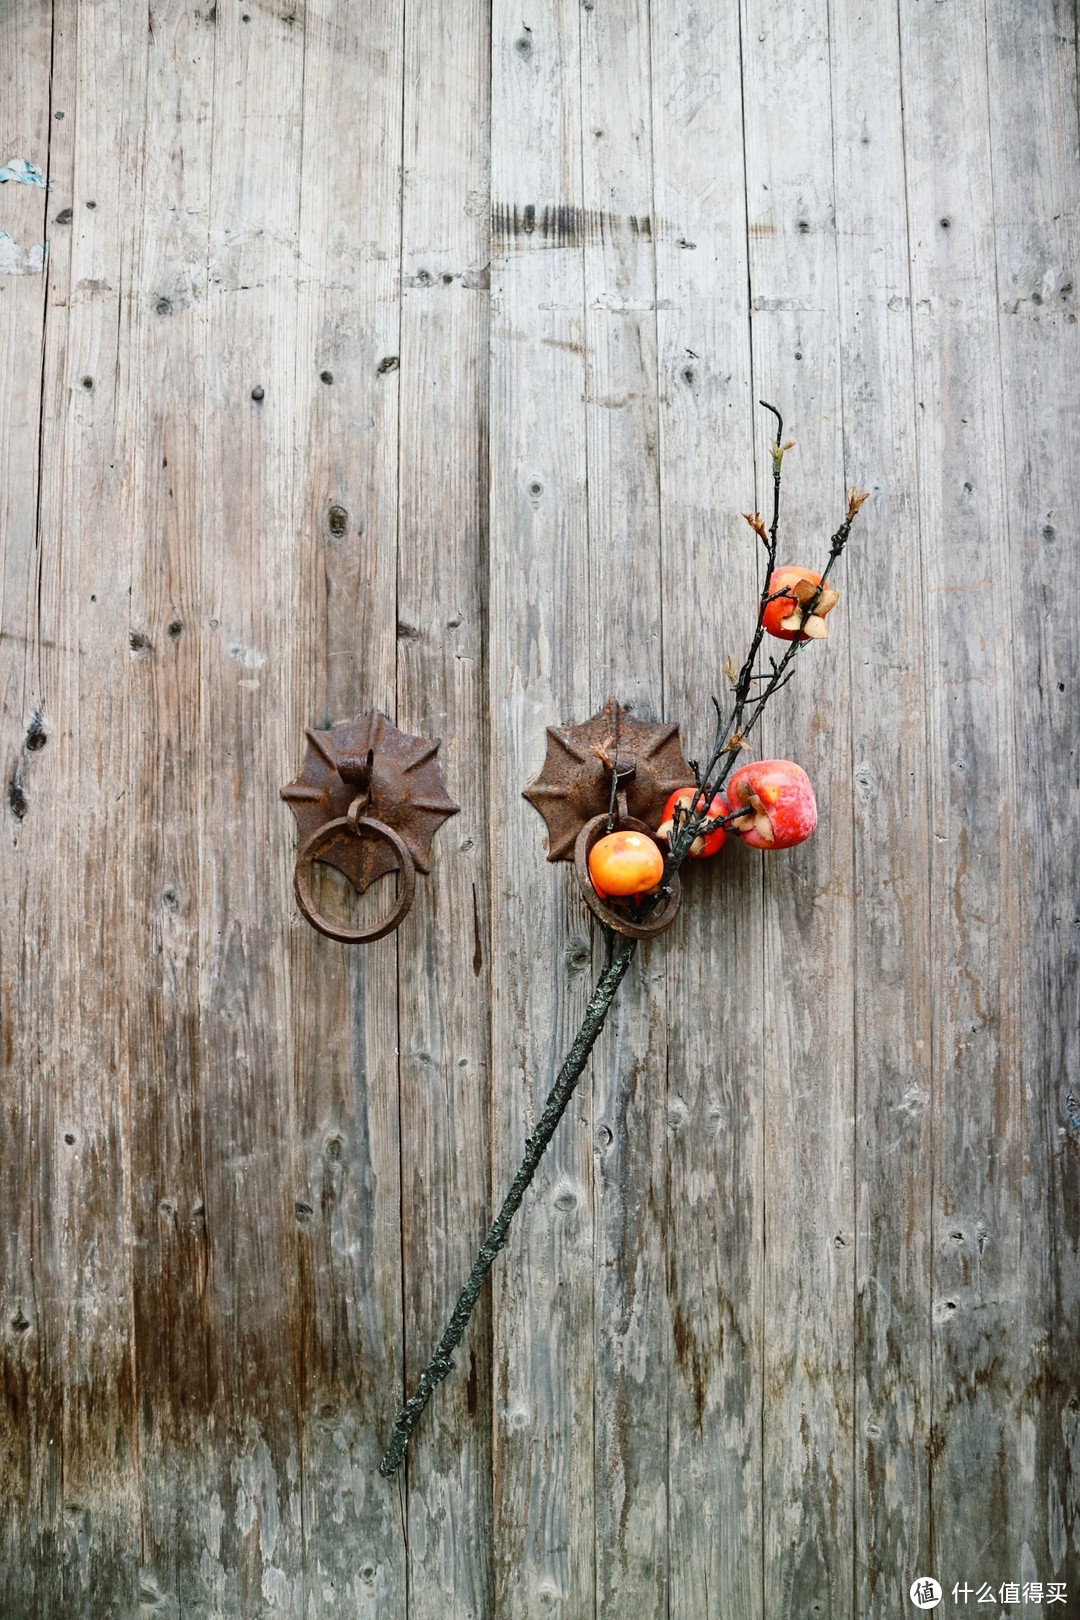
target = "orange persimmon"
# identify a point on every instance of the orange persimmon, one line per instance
(625, 863)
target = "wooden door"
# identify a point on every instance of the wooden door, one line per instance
(408, 356)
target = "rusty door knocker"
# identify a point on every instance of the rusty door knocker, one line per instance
(612, 770)
(368, 800)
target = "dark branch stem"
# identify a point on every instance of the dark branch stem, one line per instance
(441, 1364)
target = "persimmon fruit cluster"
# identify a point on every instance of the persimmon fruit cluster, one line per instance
(769, 804)
(776, 796)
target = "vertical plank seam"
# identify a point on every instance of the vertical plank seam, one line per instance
(930, 895)
(65, 882)
(660, 435)
(300, 1383)
(403, 1482)
(127, 1112)
(1017, 1110)
(39, 669)
(33, 671)
(205, 753)
(658, 480)
(589, 1086)
(485, 730)
(751, 408)
(659, 474)
(855, 975)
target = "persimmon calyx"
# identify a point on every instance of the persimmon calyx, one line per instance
(755, 819)
(799, 619)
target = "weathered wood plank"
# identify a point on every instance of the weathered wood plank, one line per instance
(1032, 88)
(83, 1548)
(713, 1151)
(808, 1059)
(976, 1263)
(538, 676)
(632, 1327)
(29, 994)
(878, 633)
(445, 1008)
(247, 587)
(165, 359)
(341, 663)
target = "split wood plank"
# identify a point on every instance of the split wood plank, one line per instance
(538, 675)
(444, 1009)
(713, 1118)
(1035, 161)
(808, 1089)
(976, 1479)
(877, 630)
(339, 648)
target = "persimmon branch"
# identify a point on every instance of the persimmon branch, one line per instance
(729, 738)
(741, 723)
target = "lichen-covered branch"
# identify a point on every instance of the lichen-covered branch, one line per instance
(561, 1092)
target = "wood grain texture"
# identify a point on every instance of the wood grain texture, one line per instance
(712, 1229)
(339, 641)
(808, 1082)
(1034, 140)
(632, 1332)
(408, 356)
(247, 587)
(28, 1018)
(976, 1111)
(444, 1009)
(174, 1334)
(538, 675)
(881, 637)
(83, 1539)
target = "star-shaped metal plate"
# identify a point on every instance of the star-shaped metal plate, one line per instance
(575, 782)
(406, 793)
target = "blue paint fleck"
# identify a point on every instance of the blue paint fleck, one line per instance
(27, 174)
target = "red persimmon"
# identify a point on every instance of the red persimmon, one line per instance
(705, 843)
(787, 617)
(779, 803)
